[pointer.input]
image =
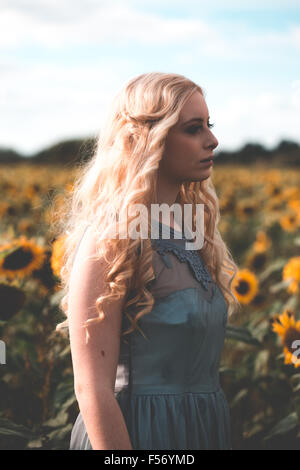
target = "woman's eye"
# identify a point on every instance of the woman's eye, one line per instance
(194, 129)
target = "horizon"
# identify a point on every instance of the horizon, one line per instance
(47, 148)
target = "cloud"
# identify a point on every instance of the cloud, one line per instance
(54, 102)
(52, 10)
(289, 38)
(237, 5)
(68, 10)
(101, 23)
(47, 102)
(56, 24)
(264, 116)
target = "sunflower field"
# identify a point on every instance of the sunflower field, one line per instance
(260, 367)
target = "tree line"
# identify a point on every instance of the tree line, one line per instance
(72, 152)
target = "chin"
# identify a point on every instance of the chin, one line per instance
(203, 177)
(196, 178)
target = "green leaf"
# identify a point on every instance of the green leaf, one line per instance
(10, 429)
(227, 370)
(295, 378)
(59, 420)
(273, 267)
(35, 444)
(297, 241)
(261, 363)
(292, 303)
(56, 298)
(241, 334)
(284, 426)
(59, 434)
(279, 286)
(261, 329)
(256, 429)
(239, 397)
(276, 307)
(65, 351)
(69, 402)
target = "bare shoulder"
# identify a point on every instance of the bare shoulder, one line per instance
(86, 247)
(88, 275)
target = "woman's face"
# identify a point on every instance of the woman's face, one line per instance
(188, 142)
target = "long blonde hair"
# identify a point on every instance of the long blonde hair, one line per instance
(123, 172)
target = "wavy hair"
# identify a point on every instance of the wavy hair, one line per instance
(122, 172)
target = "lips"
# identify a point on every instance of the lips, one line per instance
(207, 160)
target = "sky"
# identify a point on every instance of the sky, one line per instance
(63, 61)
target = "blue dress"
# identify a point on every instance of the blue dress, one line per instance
(167, 383)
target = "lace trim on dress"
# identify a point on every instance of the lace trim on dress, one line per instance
(176, 246)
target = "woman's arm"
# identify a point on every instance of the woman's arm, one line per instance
(95, 363)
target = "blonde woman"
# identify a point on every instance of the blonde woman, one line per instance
(147, 316)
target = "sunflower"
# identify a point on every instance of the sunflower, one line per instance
(274, 190)
(294, 204)
(274, 205)
(292, 271)
(45, 274)
(245, 286)
(289, 331)
(257, 260)
(291, 193)
(273, 176)
(20, 258)
(262, 242)
(57, 254)
(290, 222)
(246, 208)
(32, 191)
(227, 203)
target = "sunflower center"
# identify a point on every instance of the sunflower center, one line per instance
(291, 335)
(19, 259)
(242, 287)
(248, 210)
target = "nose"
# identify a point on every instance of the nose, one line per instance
(212, 142)
(216, 142)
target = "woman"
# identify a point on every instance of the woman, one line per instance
(146, 316)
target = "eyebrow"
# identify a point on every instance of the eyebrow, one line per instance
(195, 119)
